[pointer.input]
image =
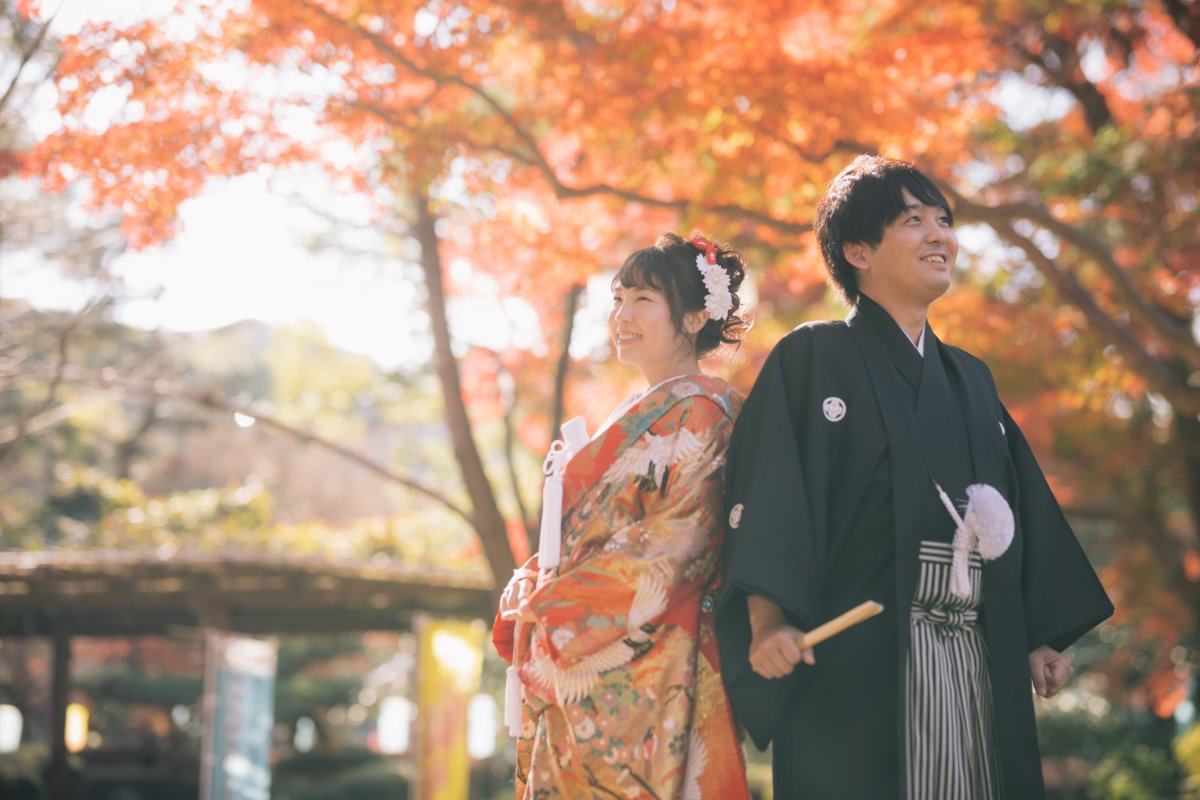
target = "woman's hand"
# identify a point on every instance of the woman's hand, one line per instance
(514, 602)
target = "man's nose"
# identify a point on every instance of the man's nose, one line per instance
(934, 232)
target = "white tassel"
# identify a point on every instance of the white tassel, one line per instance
(550, 538)
(987, 526)
(990, 518)
(512, 700)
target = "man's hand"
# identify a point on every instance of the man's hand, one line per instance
(514, 602)
(1050, 671)
(774, 644)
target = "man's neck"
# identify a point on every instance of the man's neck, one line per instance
(911, 319)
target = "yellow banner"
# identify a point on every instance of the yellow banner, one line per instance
(450, 660)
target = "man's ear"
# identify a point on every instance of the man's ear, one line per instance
(856, 254)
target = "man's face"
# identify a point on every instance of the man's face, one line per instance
(915, 259)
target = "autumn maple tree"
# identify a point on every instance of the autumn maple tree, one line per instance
(543, 140)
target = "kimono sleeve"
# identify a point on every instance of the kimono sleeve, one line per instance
(1062, 595)
(771, 548)
(600, 611)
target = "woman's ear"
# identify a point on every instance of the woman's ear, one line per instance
(693, 321)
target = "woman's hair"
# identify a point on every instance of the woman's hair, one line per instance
(669, 268)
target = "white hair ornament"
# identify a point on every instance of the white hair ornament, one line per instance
(718, 301)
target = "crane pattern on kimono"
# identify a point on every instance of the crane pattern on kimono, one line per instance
(572, 684)
(649, 462)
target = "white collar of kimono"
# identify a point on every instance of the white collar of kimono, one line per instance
(919, 343)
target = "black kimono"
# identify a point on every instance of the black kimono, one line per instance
(830, 502)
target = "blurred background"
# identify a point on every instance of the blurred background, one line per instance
(294, 294)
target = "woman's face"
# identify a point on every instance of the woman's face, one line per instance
(642, 330)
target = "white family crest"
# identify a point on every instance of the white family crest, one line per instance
(834, 408)
(735, 516)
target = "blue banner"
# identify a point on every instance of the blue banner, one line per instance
(239, 708)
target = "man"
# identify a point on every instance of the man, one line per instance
(836, 466)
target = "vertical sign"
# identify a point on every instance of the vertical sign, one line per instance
(450, 659)
(239, 713)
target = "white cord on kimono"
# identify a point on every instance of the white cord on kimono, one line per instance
(987, 525)
(514, 695)
(550, 535)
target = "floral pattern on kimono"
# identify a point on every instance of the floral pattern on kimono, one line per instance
(623, 692)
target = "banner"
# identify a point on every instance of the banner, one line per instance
(449, 663)
(239, 713)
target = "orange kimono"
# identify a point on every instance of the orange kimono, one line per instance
(622, 686)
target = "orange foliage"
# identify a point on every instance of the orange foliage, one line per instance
(556, 137)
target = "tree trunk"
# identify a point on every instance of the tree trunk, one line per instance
(489, 522)
(1187, 435)
(564, 358)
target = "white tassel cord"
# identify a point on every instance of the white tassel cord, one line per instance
(988, 527)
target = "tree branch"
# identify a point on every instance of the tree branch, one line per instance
(1184, 398)
(213, 401)
(1068, 74)
(531, 155)
(1186, 15)
(1163, 325)
(26, 57)
(56, 378)
(127, 448)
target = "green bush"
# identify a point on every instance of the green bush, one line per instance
(1187, 753)
(1142, 773)
(21, 773)
(366, 782)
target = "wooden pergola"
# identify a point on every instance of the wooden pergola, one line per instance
(61, 594)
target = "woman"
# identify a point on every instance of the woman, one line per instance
(614, 646)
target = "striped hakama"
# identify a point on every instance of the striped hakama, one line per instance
(951, 746)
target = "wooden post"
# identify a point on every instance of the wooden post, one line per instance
(60, 774)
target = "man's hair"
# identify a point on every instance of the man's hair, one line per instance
(859, 203)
